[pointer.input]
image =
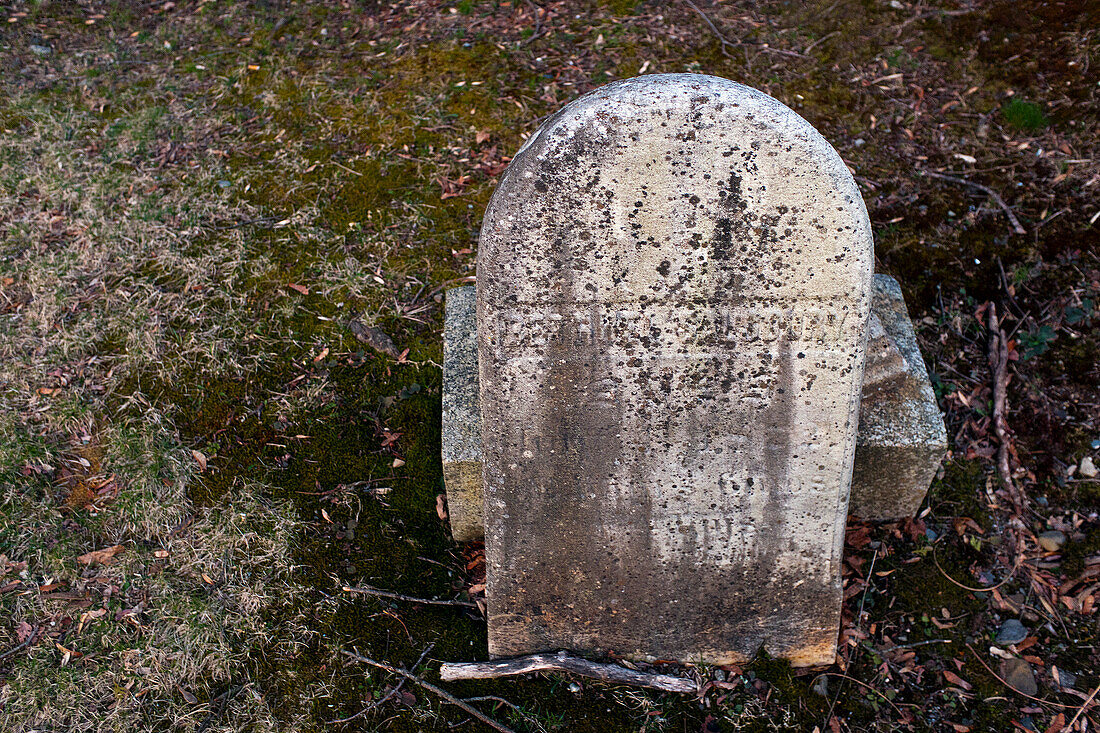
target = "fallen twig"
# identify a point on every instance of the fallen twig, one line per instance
(516, 708)
(563, 662)
(998, 364)
(987, 191)
(538, 24)
(732, 44)
(400, 597)
(25, 644)
(215, 715)
(393, 691)
(431, 688)
(1081, 710)
(973, 589)
(1003, 682)
(866, 686)
(813, 45)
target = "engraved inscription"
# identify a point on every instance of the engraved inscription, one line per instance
(664, 328)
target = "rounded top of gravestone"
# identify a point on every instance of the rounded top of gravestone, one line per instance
(661, 166)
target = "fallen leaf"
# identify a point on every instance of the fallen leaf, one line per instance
(322, 355)
(200, 458)
(298, 288)
(441, 506)
(482, 136)
(375, 338)
(160, 554)
(956, 680)
(966, 158)
(206, 579)
(326, 516)
(398, 463)
(23, 631)
(101, 557)
(187, 695)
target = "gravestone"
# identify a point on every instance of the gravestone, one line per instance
(900, 443)
(674, 283)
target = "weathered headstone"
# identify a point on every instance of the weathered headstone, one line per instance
(900, 442)
(674, 282)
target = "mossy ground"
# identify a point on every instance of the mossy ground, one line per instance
(197, 198)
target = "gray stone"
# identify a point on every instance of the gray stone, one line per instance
(462, 416)
(1052, 540)
(1087, 467)
(1019, 676)
(674, 283)
(899, 444)
(902, 439)
(1065, 680)
(1011, 632)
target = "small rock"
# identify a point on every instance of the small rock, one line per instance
(1017, 673)
(1052, 541)
(40, 50)
(1011, 632)
(1066, 680)
(1087, 468)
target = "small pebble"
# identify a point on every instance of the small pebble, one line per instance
(574, 687)
(1052, 541)
(41, 50)
(1087, 467)
(1066, 680)
(1011, 632)
(1017, 673)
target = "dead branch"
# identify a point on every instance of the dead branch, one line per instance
(734, 44)
(814, 45)
(13, 650)
(515, 708)
(393, 691)
(1081, 710)
(998, 364)
(865, 686)
(1005, 683)
(988, 192)
(563, 662)
(433, 689)
(984, 589)
(400, 597)
(538, 23)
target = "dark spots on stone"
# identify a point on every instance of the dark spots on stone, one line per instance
(664, 267)
(540, 186)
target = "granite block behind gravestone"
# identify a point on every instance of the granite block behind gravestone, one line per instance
(674, 281)
(462, 465)
(902, 439)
